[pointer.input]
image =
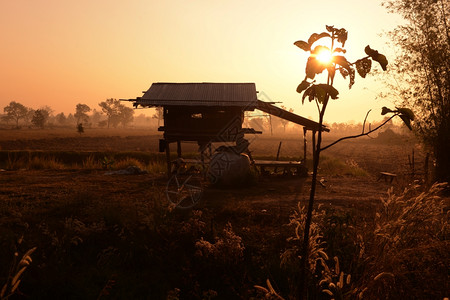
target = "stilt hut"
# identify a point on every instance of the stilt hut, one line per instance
(209, 112)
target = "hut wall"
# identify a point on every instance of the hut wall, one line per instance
(202, 123)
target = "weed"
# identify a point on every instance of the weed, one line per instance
(227, 249)
(127, 162)
(334, 166)
(107, 162)
(41, 163)
(91, 163)
(291, 257)
(407, 247)
(18, 267)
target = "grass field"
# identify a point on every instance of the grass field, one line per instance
(103, 236)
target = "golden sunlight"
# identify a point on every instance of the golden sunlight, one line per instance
(324, 56)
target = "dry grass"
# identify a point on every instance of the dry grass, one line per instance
(49, 133)
(99, 235)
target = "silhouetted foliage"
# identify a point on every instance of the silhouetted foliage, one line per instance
(421, 72)
(321, 94)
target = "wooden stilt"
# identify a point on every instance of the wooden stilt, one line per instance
(179, 149)
(305, 131)
(168, 159)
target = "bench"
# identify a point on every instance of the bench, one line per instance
(387, 176)
(287, 167)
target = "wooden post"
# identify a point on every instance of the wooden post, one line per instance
(278, 156)
(179, 148)
(169, 165)
(305, 131)
(278, 152)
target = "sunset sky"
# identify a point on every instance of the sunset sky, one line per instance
(60, 52)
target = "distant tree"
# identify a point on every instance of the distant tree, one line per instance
(61, 119)
(102, 124)
(285, 122)
(257, 123)
(126, 115)
(95, 117)
(116, 112)
(158, 114)
(143, 120)
(15, 111)
(5, 118)
(40, 117)
(81, 111)
(422, 72)
(71, 119)
(110, 109)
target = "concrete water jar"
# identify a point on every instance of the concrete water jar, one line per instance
(229, 169)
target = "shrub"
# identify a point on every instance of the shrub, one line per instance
(406, 254)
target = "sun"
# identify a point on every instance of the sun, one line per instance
(324, 56)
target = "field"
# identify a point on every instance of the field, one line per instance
(100, 236)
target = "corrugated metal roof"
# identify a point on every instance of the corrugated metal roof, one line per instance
(287, 115)
(199, 94)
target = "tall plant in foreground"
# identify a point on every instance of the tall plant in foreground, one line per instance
(332, 60)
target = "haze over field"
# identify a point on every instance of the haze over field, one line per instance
(61, 53)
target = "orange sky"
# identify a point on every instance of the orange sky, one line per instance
(60, 52)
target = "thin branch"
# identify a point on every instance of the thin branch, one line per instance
(364, 123)
(359, 135)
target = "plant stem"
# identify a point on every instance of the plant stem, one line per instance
(316, 158)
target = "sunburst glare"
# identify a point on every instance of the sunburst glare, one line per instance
(324, 56)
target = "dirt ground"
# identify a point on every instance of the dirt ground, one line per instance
(269, 193)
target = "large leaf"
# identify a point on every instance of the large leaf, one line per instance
(342, 35)
(330, 90)
(363, 66)
(352, 78)
(320, 92)
(339, 50)
(380, 58)
(383, 61)
(407, 116)
(315, 37)
(313, 67)
(385, 110)
(329, 28)
(303, 45)
(406, 112)
(310, 92)
(303, 86)
(407, 121)
(342, 61)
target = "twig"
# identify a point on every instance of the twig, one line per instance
(364, 123)
(359, 135)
